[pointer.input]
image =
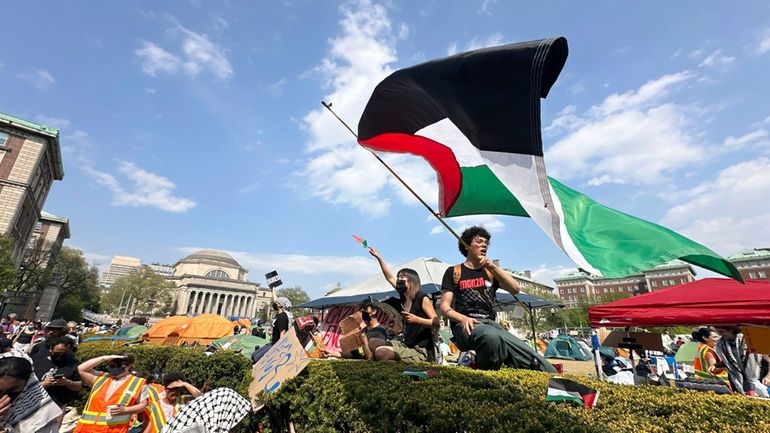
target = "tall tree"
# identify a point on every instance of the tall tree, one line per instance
(296, 295)
(141, 290)
(78, 283)
(7, 266)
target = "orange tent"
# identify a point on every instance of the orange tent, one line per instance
(167, 330)
(204, 329)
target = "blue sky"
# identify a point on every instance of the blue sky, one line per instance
(189, 125)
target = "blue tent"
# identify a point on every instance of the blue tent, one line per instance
(328, 301)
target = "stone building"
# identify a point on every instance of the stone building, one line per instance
(120, 266)
(43, 248)
(753, 264)
(211, 281)
(577, 287)
(30, 160)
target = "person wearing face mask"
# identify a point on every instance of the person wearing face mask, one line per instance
(54, 329)
(281, 324)
(468, 299)
(25, 406)
(57, 371)
(419, 316)
(114, 397)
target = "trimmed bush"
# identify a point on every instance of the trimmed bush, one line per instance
(375, 397)
(223, 368)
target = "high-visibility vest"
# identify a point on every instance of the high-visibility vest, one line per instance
(701, 365)
(154, 414)
(94, 418)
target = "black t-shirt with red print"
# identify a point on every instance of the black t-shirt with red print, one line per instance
(474, 293)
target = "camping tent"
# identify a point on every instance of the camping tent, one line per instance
(204, 329)
(167, 331)
(716, 301)
(566, 347)
(430, 270)
(244, 344)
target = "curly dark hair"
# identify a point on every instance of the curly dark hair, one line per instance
(468, 236)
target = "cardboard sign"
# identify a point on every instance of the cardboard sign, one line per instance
(351, 333)
(757, 338)
(286, 359)
(273, 280)
(332, 331)
(648, 340)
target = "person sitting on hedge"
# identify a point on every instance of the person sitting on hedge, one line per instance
(468, 300)
(165, 401)
(114, 397)
(419, 316)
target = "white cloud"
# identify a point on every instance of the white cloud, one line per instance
(101, 261)
(150, 91)
(717, 59)
(149, 189)
(476, 43)
(622, 138)
(764, 43)
(155, 59)
(754, 139)
(258, 263)
(221, 24)
(546, 274)
(486, 5)
(577, 89)
(53, 122)
(39, 78)
(490, 222)
(276, 88)
(729, 213)
(198, 54)
(339, 171)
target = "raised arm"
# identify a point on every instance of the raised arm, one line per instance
(384, 266)
(506, 280)
(86, 369)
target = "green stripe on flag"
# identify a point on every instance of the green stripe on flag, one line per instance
(483, 193)
(618, 244)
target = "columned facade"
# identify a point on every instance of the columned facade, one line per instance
(212, 282)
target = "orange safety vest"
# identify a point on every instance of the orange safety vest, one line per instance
(94, 418)
(701, 365)
(154, 414)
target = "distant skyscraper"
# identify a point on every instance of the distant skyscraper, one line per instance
(119, 267)
(162, 270)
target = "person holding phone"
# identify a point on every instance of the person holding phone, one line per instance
(419, 316)
(115, 395)
(57, 371)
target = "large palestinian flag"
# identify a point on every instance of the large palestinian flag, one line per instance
(475, 117)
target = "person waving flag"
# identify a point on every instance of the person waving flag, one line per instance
(475, 118)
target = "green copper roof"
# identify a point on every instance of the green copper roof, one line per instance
(751, 254)
(51, 217)
(38, 128)
(26, 124)
(574, 275)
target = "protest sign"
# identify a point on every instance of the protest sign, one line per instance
(273, 280)
(286, 359)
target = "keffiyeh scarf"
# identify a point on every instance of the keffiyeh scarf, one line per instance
(33, 408)
(742, 367)
(216, 411)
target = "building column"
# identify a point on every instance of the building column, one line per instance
(236, 299)
(195, 301)
(226, 306)
(240, 306)
(250, 306)
(215, 306)
(229, 304)
(209, 303)
(199, 303)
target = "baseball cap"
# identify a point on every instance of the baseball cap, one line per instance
(57, 323)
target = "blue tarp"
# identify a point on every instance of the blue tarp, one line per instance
(504, 299)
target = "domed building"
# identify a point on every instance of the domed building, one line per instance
(211, 281)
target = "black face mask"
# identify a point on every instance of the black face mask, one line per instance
(366, 316)
(275, 307)
(58, 358)
(401, 286)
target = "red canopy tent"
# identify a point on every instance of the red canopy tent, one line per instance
(710, 301)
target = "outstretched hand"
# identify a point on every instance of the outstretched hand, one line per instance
(374, 252)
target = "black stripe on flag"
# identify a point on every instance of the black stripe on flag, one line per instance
(492, 95)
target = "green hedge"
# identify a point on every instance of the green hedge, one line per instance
(223, 368)
(375, 397)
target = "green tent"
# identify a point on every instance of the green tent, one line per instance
(566, 347)
(245, 343)
(687, 353)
